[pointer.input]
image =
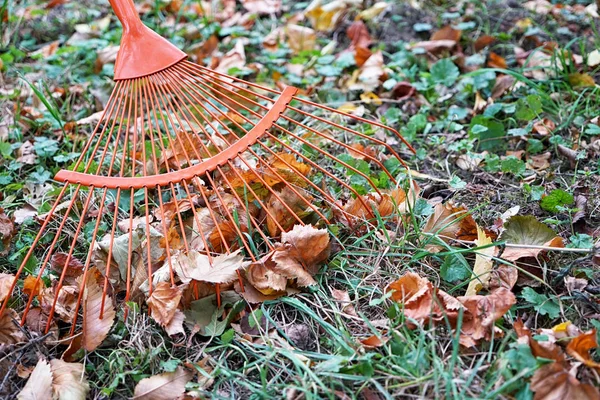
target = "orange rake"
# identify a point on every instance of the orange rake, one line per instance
(185, 159)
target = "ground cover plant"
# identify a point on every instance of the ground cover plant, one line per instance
(476, 277)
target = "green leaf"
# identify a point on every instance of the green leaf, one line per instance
(581, 241)
(444, 72)
(489, 139)
(5, 149)
(512, 165)
(541, 303)
(557, 198)
(529, 107)
(455, 268)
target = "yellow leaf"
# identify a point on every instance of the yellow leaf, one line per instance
(373, 11)
(325, 18)
(483, 264)
(371, 97)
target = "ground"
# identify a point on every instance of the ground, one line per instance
(498, 98)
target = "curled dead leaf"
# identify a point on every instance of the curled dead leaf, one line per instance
(163, 302)
(167, 386)
(95, 329)
(525, 231)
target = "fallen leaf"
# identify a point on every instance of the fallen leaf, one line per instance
(553, 382)
(446, 33)
(544, 126)
(374, 341)
(220, 269)
(373, 11)
(61, 262)
(39, 384)
(175, 326)
(539, 6)
(69, 382)
(593, 58)
(579, 80)
(449, 222)
(94, 328)
(10, 331)
(303, 249)
(433, 46)
(483, 264)
(262, 277)
(524, 231)
(167, 386)
(6, 281)
(234, 58)
(26, 155)
(7, 230)
(163, 302)
(369, 75)
(32, 286)
(24, 213)
(502, 84)
(482, 42)
(539, 162)
(358, 33)
(343, 298)
(579, 348)
(324, 18)
(262, 7)
(496, 61)
(300, 38)
(481, 314)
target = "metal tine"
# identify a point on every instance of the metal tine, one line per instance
(206, 71)
(328, 137)
(267, 148)
(260, 159)
(317, 166)
(252, 219)
(64, 271)
(189, 162)
(116, 100)
(88, 261)
(355, 132)
(318, 149)
(232, 167)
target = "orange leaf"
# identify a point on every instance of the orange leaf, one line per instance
(496, 61)
(553, 381)
(580, 346)
(447, 33)
(32, 287)
(483, 41)
(374, 341)
(163, 302)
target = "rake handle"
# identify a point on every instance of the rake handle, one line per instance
(127, 14)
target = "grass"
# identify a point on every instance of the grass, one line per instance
(308, 345)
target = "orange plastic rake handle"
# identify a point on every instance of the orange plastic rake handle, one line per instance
(143, 52)
(188, 173)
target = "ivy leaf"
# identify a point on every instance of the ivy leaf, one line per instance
(541, 303)
(455, 268)
(444, 72)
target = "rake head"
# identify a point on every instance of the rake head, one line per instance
(189, 160)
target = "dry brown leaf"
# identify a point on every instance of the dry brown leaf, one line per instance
(262, 6)
(483, 41)
(234, 58)
(524, 231)
(481, 312)
(10, 331)
(65, 303)
(503, 83)
(95, 329)
(69, 381)
(7, 230)
(279, 205)
(303, 249)
(220, 269)
(36, 321)
(449, 222)
(544, 126)
(262, 277)
(446, 33)
(358, 33)
(483, 264)
(6, 281)
(175, 326)
(433, 46)
(73, 267)
(39, 385)
(539, 162)
(580, 346)
(167, 386)
(369, 75)
(163, 302)
(554, 382)
(32, 286)
(343, 298)
(300, 38)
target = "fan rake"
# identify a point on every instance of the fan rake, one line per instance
(186, 158)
